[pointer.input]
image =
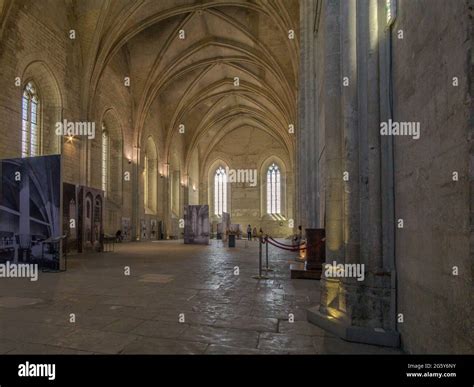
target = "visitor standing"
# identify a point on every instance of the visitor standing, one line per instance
(254, 233)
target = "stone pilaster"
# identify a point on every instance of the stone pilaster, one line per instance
(307, 136)
(135, 226)
(332, 130)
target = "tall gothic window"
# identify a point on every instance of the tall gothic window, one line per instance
(220, 191)
(31, 128)
(273, 189)
(105, 160)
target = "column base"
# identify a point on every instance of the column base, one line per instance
(352, 333)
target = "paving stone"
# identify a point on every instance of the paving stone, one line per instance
(156, 278)
(123, 325)
(302, 328)
(156, 346)
(18, 302)
(214, 349)
(7, 346)
(163, 329)
(92, 340)
(286, 342)
(258, 324)
(225, 336)
(172, 315)
(33, 332)
(41, 349)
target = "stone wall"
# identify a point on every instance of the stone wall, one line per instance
(252, 149)
(36, 46)
(33, 48)
(436, 47)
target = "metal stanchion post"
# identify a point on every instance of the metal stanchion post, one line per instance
(266, 256)
(260, 276)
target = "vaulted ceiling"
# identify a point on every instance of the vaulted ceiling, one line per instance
(191, 80)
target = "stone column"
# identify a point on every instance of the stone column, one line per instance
(350, 131)
(332, 115)
(374, 242)
(307, 150)
(387, 161)
(302, 128)
(355, 310)
(135, 226)
(312, 154)
(185, 191)
(166, 205)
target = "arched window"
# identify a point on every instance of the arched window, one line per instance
(273, 189)
(105, 160)
(31, 122)
(220, 191)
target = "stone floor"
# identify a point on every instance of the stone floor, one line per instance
(114, 313)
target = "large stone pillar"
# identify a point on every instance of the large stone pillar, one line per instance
(302, 122)
(387, 161)
(312, 154)
(373, 98)
(357, 309)
(333, 134)
(350, 131)
(307, 144)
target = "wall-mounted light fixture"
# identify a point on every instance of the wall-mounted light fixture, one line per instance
(69, 139)
(165, 170)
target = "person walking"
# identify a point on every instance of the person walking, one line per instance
(249, 232)
(254, 233)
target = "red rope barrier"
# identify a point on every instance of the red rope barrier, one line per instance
(286, 248)
(282, 244)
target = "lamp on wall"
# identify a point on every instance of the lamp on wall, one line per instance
(185, 181)
(165, 170)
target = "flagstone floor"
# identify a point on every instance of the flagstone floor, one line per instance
(177, 299)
